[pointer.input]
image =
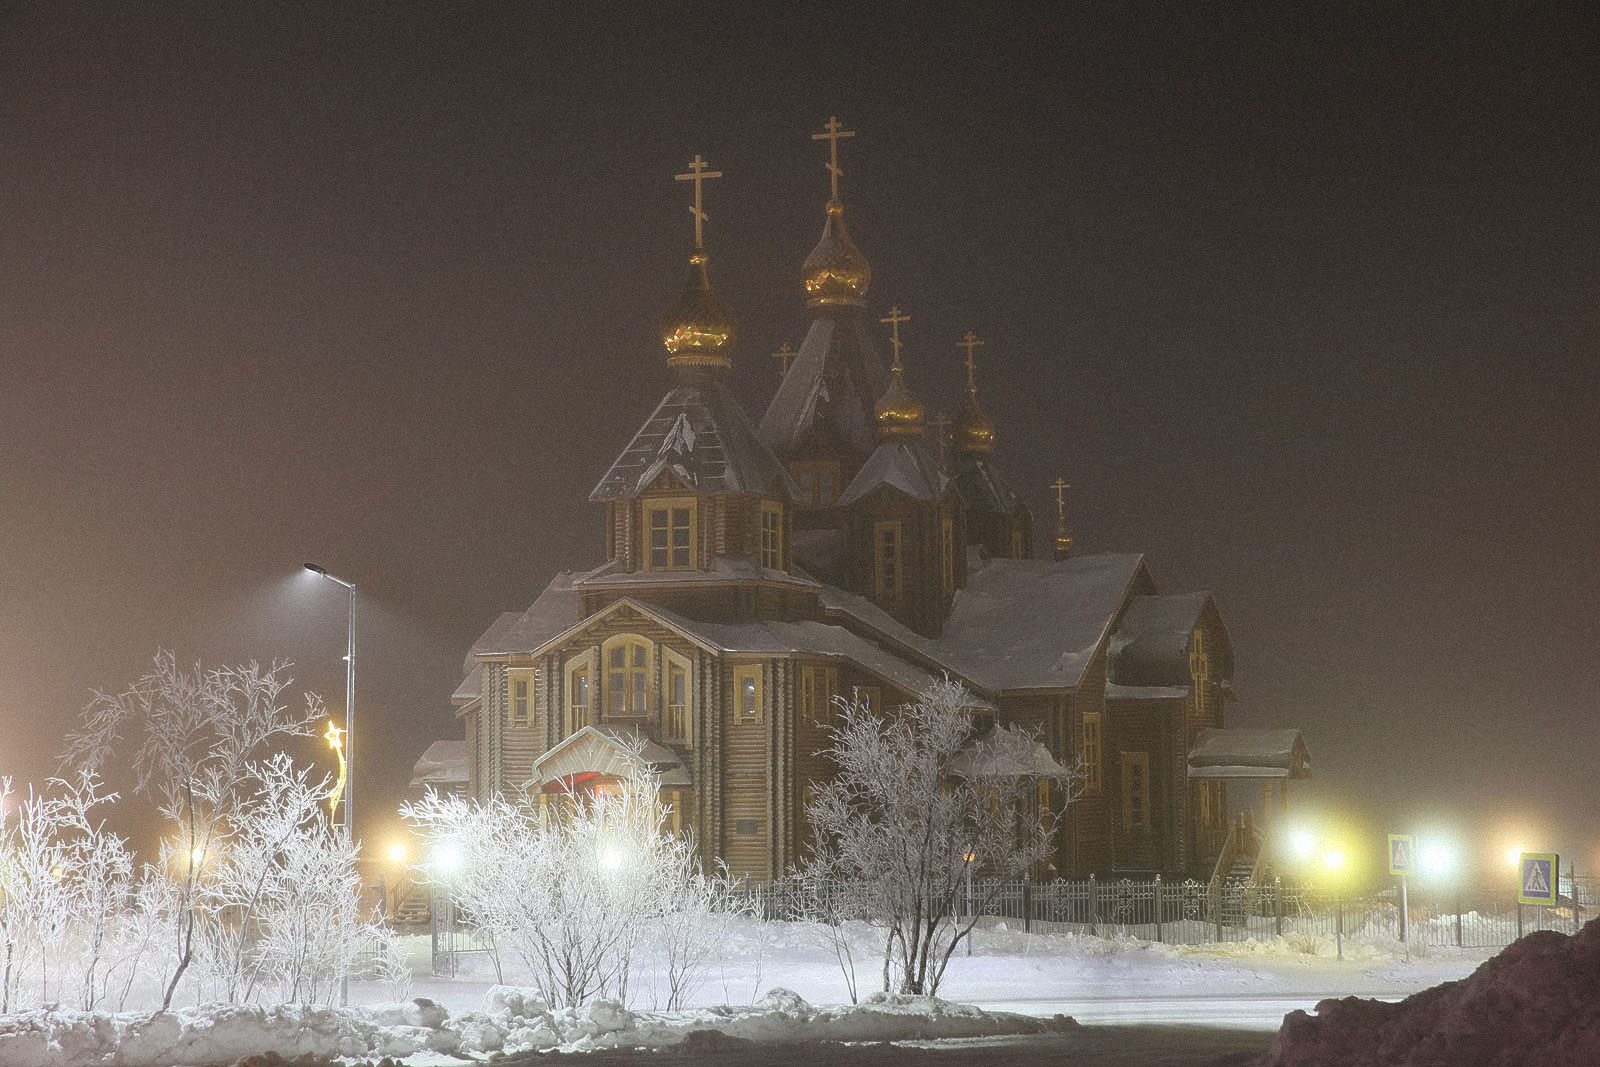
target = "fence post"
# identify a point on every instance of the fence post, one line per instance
(1027, 906)
(1094, 906)
(1277, 905)
(1158, 908)
(1458, 914)
(1519, 920)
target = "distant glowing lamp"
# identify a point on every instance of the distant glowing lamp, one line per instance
(611, 858)
(1302, 844)
(1333, 860)
(1514, 856)
(397, 852)
(1437, 859)
(446, 859)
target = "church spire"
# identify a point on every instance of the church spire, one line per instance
(898, 414)
(698, 330)
(973, 430)
(1061, 547)
(835, 272)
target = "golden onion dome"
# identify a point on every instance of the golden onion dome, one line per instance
(698, 330)
(898, 413)
(836, 272)
(973, 431)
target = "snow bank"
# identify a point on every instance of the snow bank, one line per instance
(1538, 1001)
(512, 1020)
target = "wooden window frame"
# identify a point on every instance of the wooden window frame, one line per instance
(665, 557)
(1136, 791)
(771, 535)
(636, 690)
(1091, 748)
(580, 681)
(888, 560)
(744, 714)
(809, 474)
(519, 705)
(677, 721)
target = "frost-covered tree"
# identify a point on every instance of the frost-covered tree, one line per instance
(198, 738)
(918, 800)
(575, 888)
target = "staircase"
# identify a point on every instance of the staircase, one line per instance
(409, 906)
(1240, 869)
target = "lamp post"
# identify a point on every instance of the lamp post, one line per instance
(349, 699)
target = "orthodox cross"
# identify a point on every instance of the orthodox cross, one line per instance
(894, 319)
(698, 174)
(784, 355)
(941, 427)
(1060, 486)
(969, 342)
(834, 132)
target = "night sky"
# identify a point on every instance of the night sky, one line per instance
(1304, 307)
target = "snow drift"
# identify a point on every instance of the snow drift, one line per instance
(513, 1020)
(1537, 1002)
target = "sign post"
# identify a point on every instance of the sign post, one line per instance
(1538, 876)
(1402, 861)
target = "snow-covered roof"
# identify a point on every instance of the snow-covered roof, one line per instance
(606, 750)
(829, 392)
(982, 487)
(722, 569)
(1151, 644)
(443, 763)
(903, 466)
(1249, 754)
(981, 759)
(556, 608)
(1019, 623)
(702, 436)
(471, 687)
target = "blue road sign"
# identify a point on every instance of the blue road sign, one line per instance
(1538, 875)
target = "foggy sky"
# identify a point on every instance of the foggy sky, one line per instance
(1304, 307)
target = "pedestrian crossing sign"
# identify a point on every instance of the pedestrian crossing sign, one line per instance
(1402, 854)
(1538, 873)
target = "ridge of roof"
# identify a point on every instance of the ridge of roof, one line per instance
(902, 466)
(831, 386)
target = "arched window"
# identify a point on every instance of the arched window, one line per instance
(627, 667)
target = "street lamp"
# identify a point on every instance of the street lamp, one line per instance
(349, 699)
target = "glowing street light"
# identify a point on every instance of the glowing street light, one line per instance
(347, 753)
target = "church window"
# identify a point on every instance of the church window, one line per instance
(830, 689)
(579, 695)
(671, 528)
(771, 536)
(678, 688)
(747, 694)
(520, 694)
(1090, 752)
(627, 677)
(947, 555)
(808, 693)
(887, 569)
(1135, 790)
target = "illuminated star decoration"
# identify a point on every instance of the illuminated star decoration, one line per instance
(335, 738)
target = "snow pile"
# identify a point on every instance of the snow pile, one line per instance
(513, 1020)
(1538, 1001)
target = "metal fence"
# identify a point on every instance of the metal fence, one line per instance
(1193, 913)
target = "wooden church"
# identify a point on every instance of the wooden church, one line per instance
(755, 570)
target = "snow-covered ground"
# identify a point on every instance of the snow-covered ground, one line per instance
(769, 982)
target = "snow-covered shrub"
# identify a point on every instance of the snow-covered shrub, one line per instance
(917, 805)
(575, 887)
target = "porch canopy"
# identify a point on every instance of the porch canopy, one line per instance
(599, 751)
(1222, 754)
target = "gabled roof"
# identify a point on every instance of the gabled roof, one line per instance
(829, 392)
(604, 750)
(982, 487)
(443, 763)
(1019, 623)
(702, 435)
(556, 608)
(902, 466)
(1151, 644)
(1249, 754)
(722, 569)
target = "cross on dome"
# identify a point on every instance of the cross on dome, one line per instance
(783, 356)
(969, 342)
(1060, 486)
(834, 131)
(894, 319)
(698, 174)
